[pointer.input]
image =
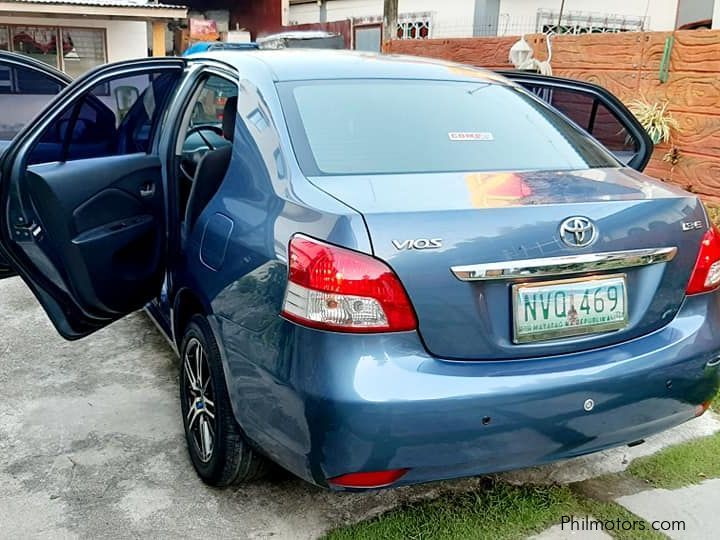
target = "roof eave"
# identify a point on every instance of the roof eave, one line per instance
(17, 9)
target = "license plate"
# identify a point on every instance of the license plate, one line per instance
(571, 307)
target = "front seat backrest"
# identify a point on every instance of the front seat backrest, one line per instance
(212, 169)
(229, 116)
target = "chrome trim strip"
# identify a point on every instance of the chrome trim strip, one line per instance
(564, 265)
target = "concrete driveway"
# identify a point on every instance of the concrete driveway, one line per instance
(92, 446)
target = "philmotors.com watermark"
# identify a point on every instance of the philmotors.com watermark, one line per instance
(585, 523)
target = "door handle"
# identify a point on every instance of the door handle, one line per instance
(147, 189)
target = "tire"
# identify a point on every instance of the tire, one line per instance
(220, 454)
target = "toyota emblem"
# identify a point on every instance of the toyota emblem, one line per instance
(578, 231)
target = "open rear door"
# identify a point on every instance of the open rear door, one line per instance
(82, 216)
(595, 110)
(26, 87)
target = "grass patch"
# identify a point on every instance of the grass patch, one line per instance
(681, 465)
(497, 511)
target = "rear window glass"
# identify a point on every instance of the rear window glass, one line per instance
(415, 126)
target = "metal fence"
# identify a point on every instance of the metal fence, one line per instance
(545, 21)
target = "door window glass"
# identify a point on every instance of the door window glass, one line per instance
(6, 82)
(593, 116)
(32, 81)
(117, 116)
(24, 92)
(209, 106)
(464, 126)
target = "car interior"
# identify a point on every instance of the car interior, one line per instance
(206, 147)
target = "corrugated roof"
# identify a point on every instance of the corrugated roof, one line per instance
(104, 3)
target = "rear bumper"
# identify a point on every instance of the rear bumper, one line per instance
(338, 404)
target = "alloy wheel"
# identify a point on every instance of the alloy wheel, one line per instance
(200, 419)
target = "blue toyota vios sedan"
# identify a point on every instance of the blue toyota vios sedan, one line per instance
(376, 270)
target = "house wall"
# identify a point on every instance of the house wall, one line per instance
(450, 18)
(662, 13)
(124, 39)
(260, 18)
(456, 18)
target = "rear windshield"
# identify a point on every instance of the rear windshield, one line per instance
(376, 126)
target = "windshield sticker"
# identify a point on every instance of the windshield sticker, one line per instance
(471, 136)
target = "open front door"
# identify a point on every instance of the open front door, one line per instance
(26, 87)
(82, 216)
(595, 110)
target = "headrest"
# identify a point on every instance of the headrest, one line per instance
(229, 114)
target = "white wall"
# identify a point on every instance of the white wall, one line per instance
(694, 10)
(455, 17)
(450, 17)
(125, 39)
(716, 15)
(336, 10)
(661, 12)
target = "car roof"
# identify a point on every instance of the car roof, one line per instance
(313, 64)
(203, 46)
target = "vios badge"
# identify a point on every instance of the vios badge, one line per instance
(418, 243)
(578, 231)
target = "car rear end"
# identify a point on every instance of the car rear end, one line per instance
(527, 299)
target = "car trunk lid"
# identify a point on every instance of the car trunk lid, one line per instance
(423, 225)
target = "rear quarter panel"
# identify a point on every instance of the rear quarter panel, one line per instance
(267, 200)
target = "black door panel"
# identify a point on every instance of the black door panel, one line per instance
(99, 229)
(111, 204)
(82, 216)
(5, 269)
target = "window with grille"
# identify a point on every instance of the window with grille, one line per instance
(4, 38)
(577, 22)
(83, 49)
(414, 29)
(73, 50)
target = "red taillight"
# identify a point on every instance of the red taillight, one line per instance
(700, 409)
(333, 288)
(706, 274)
(369, 480)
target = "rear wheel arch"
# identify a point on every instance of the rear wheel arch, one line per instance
(231, 458)
(186, 304)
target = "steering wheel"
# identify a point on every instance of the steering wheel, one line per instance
(193, 158)
(205, 127)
